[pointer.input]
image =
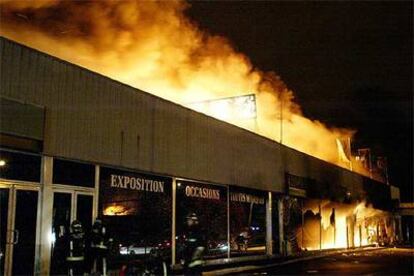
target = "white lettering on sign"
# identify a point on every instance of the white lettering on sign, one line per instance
(242, 197)
(192, 191)
(137, 183)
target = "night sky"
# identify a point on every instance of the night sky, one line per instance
(349, 63)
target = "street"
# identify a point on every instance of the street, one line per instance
(390, 261)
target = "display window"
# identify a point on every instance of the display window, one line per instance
(207, 206)
(136, 209)
(247, 221)
(73, 173)
(19, 166)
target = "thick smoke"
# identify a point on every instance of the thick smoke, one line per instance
(154, 47)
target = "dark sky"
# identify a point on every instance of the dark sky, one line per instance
(350, 64)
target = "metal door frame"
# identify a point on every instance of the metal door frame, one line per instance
(13, 187)
(74, 191)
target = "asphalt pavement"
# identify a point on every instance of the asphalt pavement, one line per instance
(388, 261)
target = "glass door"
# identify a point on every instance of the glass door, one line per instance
(62, 208)
(24, 242)
(4, 214)
(67, 207)
(18, 224)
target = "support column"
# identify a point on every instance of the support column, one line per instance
(320, 227)
(95, 213)
(302, 226)
(400, 230)
(281, 234)
(269, 240)
(46, 213)
(228, 223)
(378, 229)
(173, 226)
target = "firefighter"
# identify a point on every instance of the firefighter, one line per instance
(99, 247)
(194, 246)
(76, 249)
(242, 239)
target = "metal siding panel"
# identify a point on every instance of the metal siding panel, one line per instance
(53, 104)
(5, 72)
(98, 134)
(88, 108)
(127, 126)
(102, 123)
(112, 125)
(65, 132)
(30, 80)
(9, 69)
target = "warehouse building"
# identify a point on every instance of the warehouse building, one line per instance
(78, 145)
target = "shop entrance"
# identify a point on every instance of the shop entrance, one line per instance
(67, 207)
(18, 229)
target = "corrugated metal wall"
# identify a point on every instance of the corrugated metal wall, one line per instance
(92, 118)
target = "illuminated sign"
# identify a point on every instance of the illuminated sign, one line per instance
(229, 109)
(243, 197)
(137, 183)
(192, 191)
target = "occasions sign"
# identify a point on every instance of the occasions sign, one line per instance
(201, 190)
(192, 191)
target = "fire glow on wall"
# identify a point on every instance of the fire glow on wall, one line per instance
(229, 109)
(328, 225)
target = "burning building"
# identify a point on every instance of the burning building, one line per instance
(79, 145)
(232, 145)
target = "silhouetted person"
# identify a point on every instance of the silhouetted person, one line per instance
(194, 246)
(99, 247)
(76, 249)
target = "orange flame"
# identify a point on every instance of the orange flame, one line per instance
(352, 225)
(152, 46)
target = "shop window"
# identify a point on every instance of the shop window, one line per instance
(136, 209)
(247, 221)
(19, 166)
(209, 204)
(73, 173)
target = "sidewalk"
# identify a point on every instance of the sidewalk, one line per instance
(240, 266)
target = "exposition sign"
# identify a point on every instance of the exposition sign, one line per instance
(140, 183)
(126, 180)
(129, 193)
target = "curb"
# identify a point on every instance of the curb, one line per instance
(251, 268)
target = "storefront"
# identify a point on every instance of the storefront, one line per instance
(144, 211)
(137, 210)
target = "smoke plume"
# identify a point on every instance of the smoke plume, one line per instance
(153, 46)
